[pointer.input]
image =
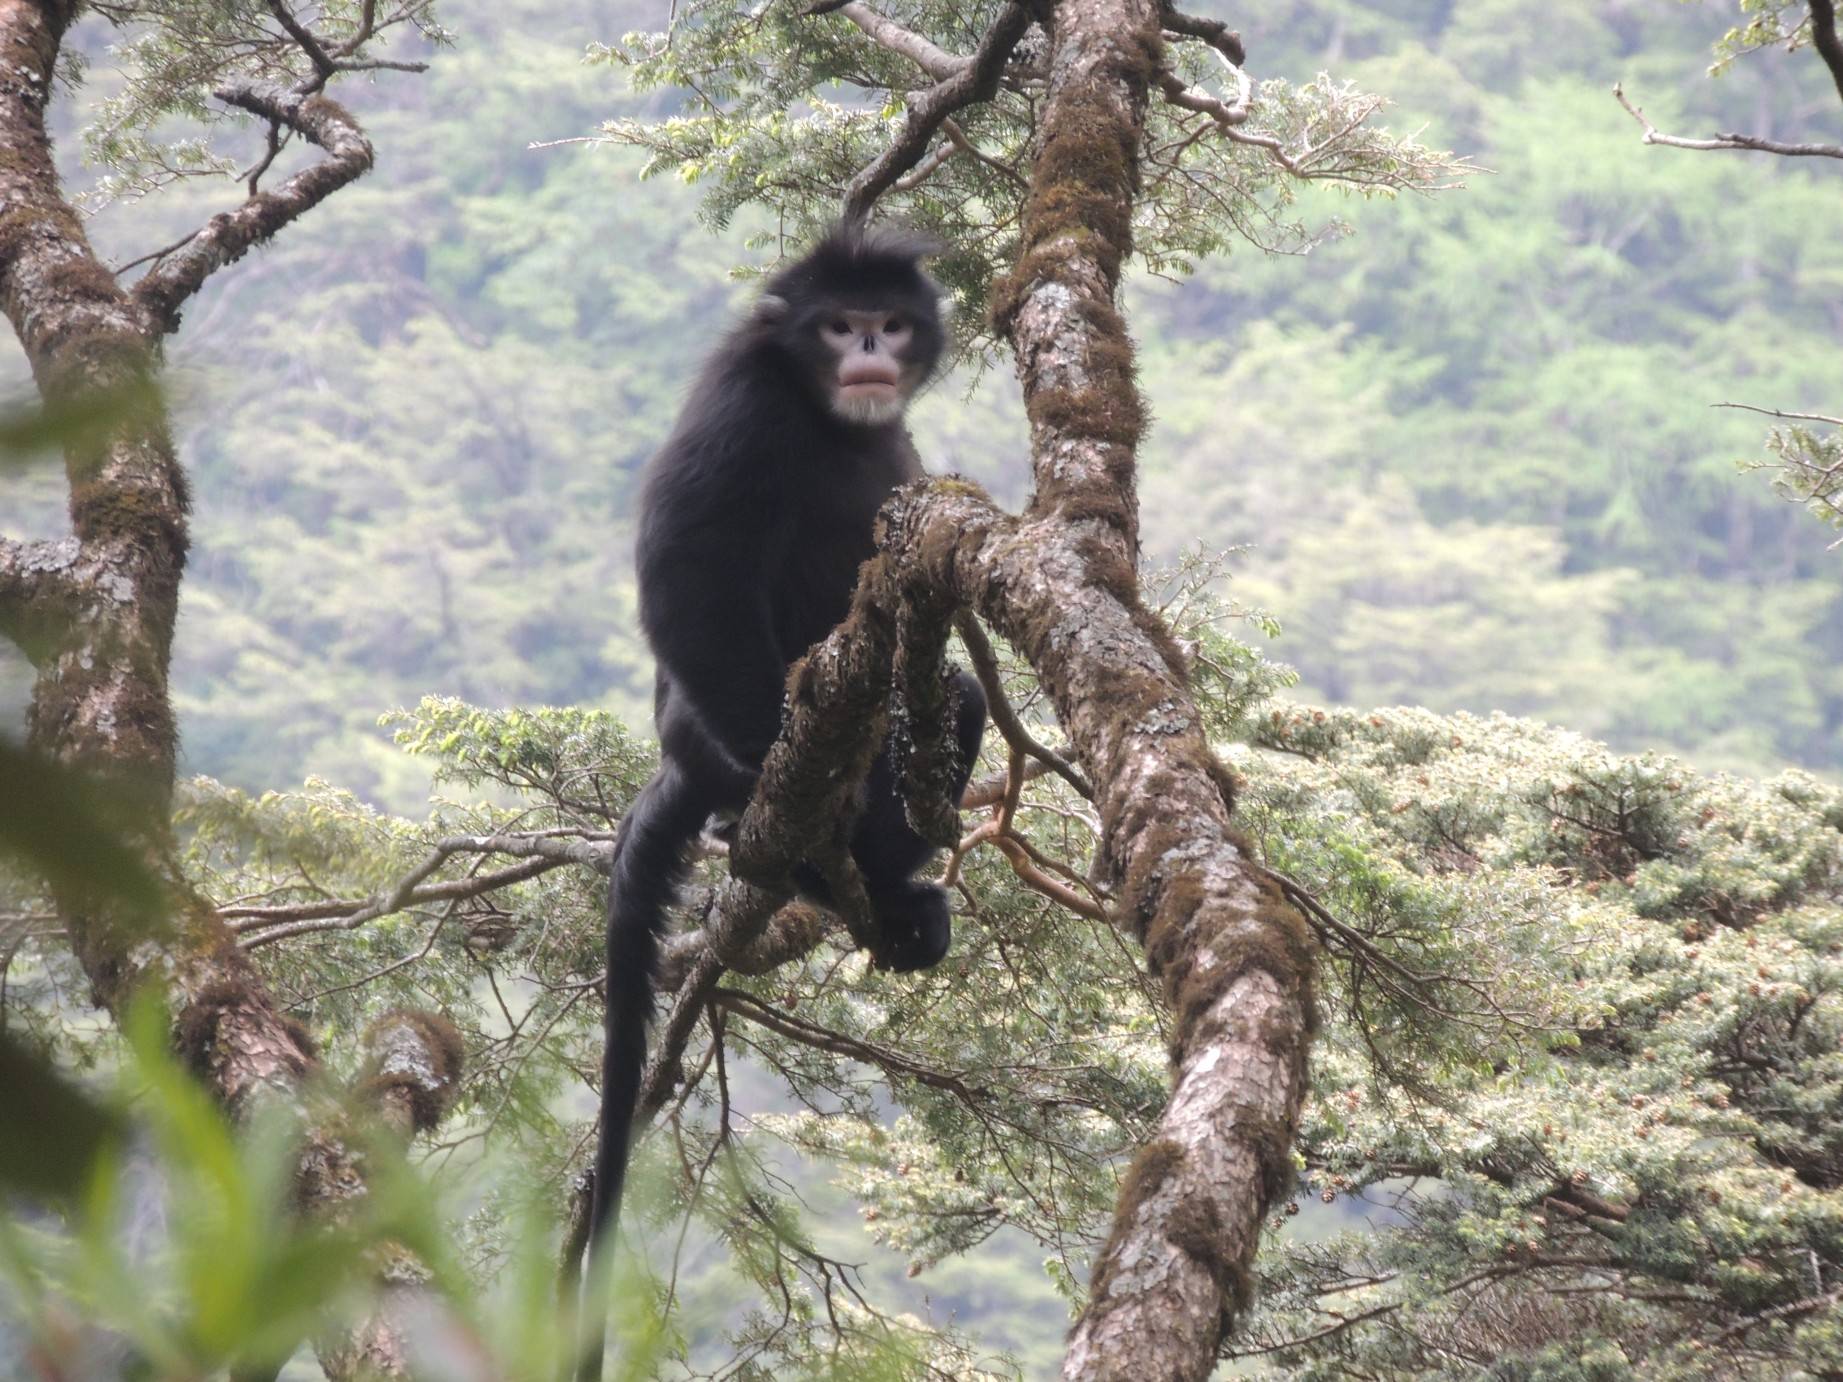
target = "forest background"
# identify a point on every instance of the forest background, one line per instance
(1467, 451)
(1470, 445)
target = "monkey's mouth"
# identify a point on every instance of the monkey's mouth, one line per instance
(871, 404)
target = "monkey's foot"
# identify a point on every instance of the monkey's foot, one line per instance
(915, 928)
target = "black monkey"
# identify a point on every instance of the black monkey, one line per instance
(754, 519)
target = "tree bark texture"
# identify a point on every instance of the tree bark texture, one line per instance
(1060, 583)
(95, 612)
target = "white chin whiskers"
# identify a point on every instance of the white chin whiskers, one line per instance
(869, 409)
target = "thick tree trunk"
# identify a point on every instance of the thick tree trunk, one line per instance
(1060, 582)
(95, 612)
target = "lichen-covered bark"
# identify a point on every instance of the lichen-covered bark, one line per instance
(95, 611)
(1234, 959)
(1060, 583)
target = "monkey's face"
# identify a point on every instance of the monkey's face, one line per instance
(864, 350)
(873, 371)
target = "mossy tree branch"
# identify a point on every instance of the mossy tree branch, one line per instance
(96, 609)
(1059, 582)
(227, 236)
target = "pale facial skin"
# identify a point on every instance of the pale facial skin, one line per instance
(871, 386)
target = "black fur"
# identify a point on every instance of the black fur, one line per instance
(754, 519)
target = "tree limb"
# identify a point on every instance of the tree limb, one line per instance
(936, 61)
(1725, 141)
(227, 236)
(971, 80)
(1825, 39)
(38, 591)
(1211, 31)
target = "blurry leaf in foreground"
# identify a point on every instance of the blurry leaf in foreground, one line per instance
(29, 431)
(52, 1132)
(58, 824)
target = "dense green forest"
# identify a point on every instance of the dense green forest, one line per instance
(1531, 691)
(1469, 446)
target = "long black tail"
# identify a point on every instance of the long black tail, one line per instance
(649, 864)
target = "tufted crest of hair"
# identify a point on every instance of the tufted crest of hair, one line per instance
(864, 259)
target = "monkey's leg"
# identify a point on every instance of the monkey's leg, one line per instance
(912, 916)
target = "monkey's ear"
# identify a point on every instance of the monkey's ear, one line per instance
(945, 305)
(770, 307)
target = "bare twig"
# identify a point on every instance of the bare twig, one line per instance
(1788, 417)
(991, 680)
(968, 82)
(264, 925)
(1746, 142)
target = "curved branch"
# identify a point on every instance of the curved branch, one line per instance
(1211, 31)
(1745, 142)
(1825, 39)
(972, 81)
(936, 61)
(227, 236)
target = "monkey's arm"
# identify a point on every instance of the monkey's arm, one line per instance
(713, 631)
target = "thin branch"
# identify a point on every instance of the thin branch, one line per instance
(991, 680)
(158, 254)
(820, 1038)
(1178, 93)
(974, 81)
(264, 925)
(951, 128)
(1809, 1306)
(926, 169)
(990, 791)
(1746, 142)
(663, 1070)
(304, 38)
(252, 180)
(1788, 417)
(230, 234)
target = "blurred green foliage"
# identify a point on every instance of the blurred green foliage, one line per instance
(1579, 1082)
(414, 425)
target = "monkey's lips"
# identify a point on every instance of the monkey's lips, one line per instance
(879, 389)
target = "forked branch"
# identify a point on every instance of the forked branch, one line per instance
(966, 82)
(1745, 142)
(226, 237)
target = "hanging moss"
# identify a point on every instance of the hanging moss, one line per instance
(1156, 1162)
(429, 1093)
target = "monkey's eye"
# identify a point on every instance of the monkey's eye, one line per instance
(895, 326)
(839, 327)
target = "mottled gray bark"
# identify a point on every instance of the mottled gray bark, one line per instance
(1059, 582)
(95, 610)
